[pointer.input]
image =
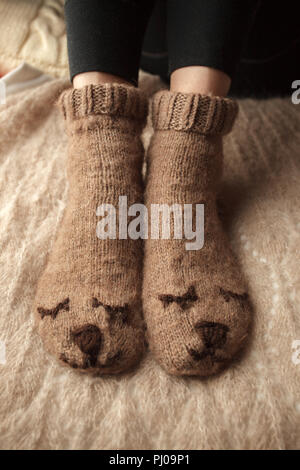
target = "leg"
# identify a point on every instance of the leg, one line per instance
(106, 36)
(204, 56)
(195, 301)
(201, 80)
(88, 302)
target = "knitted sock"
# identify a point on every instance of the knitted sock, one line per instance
(88, 302)
(195, 302)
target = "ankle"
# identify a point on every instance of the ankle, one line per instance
(96, 78)
(200, 80)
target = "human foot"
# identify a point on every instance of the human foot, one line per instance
(88, 306)
(195, 302)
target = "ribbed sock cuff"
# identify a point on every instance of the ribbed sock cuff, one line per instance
(109, 99)
(208, 115)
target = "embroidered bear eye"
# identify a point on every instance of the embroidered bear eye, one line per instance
(228, 294)
(53, 312)
(184, 301)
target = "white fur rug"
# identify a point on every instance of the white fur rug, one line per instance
(254, 404)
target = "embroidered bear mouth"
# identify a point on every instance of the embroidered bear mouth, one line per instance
(213, 336)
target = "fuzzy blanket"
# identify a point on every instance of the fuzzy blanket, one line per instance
(33, 31)
(255, 404)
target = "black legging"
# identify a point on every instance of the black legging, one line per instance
(107, 35)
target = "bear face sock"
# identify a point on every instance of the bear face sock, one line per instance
(88, 301)
(195, 301)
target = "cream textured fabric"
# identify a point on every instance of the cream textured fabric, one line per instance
(255, 403)
(33, 31)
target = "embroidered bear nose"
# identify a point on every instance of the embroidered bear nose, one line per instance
(213, 334)
(88, 339)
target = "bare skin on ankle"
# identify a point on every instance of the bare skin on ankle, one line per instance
(202, 80)
(96, 78)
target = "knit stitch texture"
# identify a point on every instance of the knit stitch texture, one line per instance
(88, 303)
(195, 301)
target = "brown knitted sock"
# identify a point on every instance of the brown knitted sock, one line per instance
(88, 302)
(195, 302)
